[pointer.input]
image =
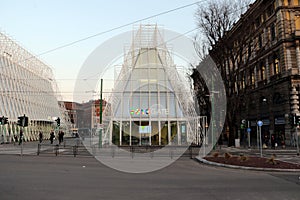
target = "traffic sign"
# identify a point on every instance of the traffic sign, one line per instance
(248, 130)
(260, 123)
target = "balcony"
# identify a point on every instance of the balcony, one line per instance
(275, 77)
(262, 83)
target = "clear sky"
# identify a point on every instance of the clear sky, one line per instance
(42, 25)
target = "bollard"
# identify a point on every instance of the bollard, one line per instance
(132, 151)
(75, 150)
(151, 154)
(171, 152)
(39, 149)
(93, 150)
(56, 149)
(112, 152)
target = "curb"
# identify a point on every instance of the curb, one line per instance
(201, 160)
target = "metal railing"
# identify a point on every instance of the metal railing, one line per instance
(147, 151)
(63, 149)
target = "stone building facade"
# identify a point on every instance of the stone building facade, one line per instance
(267, 75)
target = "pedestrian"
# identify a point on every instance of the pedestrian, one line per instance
(266, 141)
(273, 141)
(15, 139)
(283, 141)
(62, 136)
(59, 137)
(40, 136)
(52, 136)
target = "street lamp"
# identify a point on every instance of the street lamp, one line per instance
(212, 93)
(259, 124)
(264, 100)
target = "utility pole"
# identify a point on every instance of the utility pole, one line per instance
(100, 131)
(259, 124)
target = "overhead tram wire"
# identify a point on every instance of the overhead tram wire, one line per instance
(112, 29)
(125, 25)
(122, 26)
(187, 32)
(119, 27)
(164, 43)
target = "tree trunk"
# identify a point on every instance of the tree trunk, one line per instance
(232, 129)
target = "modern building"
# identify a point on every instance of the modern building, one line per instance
(27, 86)
(71, 109)
(151, 103)
(265, 76)
(84, 117)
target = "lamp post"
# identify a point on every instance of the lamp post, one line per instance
(93, 115)
(259, 124)
(212, 115)
(295, 112)
(297, 140)
(205, 140)
(100, 131)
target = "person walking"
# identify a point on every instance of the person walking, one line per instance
(273, 141)
(62, 136)
(15, 139)
(59, 137)
(52, 136)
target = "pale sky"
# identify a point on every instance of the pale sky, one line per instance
(42, 25)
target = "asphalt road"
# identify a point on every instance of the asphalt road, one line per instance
(48, 177)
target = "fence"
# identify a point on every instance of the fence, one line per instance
(146, 151)
(63, 149)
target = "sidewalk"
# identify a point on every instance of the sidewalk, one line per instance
(287, 155)
(16, 149)
(30, 148)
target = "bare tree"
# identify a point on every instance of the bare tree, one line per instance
(214, 20)
(231, 53)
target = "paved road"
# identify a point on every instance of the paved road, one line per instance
(48, 177)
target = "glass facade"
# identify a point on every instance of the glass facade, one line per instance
(147, 103)
(27, 87)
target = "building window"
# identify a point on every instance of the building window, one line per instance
(273, 32)
(260, 41)
(276, 65)
(297, 22)
(262, 18)
(243, 81)
(257, 22)
(249, 51)
(286, 2)
(270, 10)
(287, 16)
(296, 2)
(252, 77)
(262, 72)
